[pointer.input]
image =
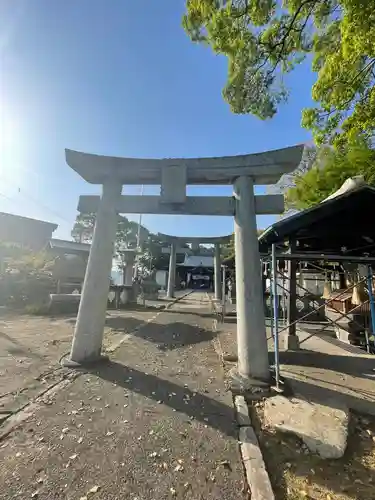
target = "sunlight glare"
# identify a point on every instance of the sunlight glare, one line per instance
(10, 150)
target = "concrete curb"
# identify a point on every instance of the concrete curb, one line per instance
(256, 473)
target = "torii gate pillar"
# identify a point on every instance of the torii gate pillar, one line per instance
(217, 272)
(172, 271)
(88, 335)
(251, 331)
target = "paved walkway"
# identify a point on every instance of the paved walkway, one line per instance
(154, 423)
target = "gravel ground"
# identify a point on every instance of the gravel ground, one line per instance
(153, 423)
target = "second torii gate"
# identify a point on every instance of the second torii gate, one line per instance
(174, 241)
(173, 175)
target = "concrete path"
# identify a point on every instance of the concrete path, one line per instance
(154, 423)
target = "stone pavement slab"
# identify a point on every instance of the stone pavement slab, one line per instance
(153, 423)
(323, 428)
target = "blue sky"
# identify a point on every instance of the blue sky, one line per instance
(118, 78)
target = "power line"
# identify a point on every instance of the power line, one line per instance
(37, 202)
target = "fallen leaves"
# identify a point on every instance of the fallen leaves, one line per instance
(226, 464)
(91, 492)
(94, 489)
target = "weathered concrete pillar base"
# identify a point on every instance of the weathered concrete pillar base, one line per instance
(290, 342)
(248, 387)
(69, 363)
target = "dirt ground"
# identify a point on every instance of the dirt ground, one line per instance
(31, 347)
(155, 422)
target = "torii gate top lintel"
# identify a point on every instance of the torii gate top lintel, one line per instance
(204, 240)
(264, 168)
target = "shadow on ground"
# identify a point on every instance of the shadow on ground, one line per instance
(350, 365)
(125, 325)
(167, 336)
(230, 319)
(195, 405)
(17, 349)
(194, 312)
(312, 390)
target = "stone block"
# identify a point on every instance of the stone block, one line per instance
(64, 303)
(322, 427)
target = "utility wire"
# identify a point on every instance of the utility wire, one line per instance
(45, 207)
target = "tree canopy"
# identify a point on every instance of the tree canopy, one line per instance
(265, 39)
(330, 169)
(126, 234)
(126, 237)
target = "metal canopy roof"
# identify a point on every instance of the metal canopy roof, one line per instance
(342, 225)
(265, 168)
(69, 246)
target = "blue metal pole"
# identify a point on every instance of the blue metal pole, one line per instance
(371, 298)
(275, 315)
(271, 299)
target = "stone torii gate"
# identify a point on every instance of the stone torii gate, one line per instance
(174, 175)
(174, 241)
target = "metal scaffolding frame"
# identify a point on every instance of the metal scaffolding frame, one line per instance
(312, 259)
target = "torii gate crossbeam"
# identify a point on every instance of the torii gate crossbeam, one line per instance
(174, 241)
